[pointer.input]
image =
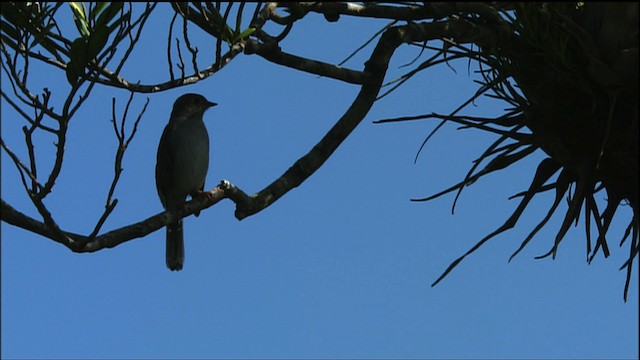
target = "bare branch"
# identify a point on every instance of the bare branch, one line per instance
(187, 42)
(140, 22)
(22, 168)
(274, 54)
(31, 121)
(375, 70)
(80, 243)
(169, 60)
(123, 143)
(333, 9)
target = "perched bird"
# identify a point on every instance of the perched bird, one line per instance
(181, 165)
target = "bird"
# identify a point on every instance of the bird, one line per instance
(181, 166)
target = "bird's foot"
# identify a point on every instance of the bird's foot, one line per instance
(201, 193)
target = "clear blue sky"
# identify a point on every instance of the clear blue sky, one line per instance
(339, 267)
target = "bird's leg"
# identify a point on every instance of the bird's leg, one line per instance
(200, 193)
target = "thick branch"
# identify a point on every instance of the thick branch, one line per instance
(426, 11)
(81, 243)
(369, 10)
(375, 70)
(274, 54)
(16, 218)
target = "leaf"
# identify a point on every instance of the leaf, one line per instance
(109, 13)
(115, 24)
(228, 34)
(72, 74)
(10, 30)
(9, 42)
(78, 51)
(545, 170)
(97, 9)
(45, 41)
(80, 18)
(14, 13)
(78, 10)
(247, 32)
(97, 41)
(78, 59)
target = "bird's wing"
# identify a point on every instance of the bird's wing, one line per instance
(164, 175)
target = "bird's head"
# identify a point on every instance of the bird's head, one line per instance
(189, 105)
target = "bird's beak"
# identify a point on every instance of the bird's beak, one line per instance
(211, 104)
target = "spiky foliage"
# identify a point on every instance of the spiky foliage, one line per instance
(570, 73)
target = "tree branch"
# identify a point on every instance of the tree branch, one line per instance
(81, 243)
(373, 76)
(273, 53)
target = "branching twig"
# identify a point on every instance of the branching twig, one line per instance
(169, 37)
(123, 144)
(187, 42)
(22, 168)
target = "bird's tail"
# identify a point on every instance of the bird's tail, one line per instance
(175, 246)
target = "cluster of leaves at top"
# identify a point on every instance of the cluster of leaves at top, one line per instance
(575, 66)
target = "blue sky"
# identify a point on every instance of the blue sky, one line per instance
(339, 267)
